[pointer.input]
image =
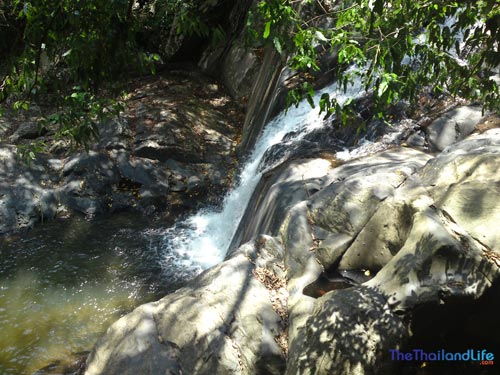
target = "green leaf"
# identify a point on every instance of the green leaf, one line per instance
(267, 30)
(382, 88)
(310, 100)
(277, 45)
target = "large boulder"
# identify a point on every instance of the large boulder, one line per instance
(431, 242)
(27, 193)
(349, 332)
(453, 126)
(353, 331)
(228, 320)
(351, 212)
(378, 240)
(463, 180)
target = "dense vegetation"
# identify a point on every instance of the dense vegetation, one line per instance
(74, 54)
(397, 47)
(68, 51)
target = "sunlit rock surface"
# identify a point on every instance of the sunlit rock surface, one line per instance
(228, 320)
(431, 242)
(418, 230)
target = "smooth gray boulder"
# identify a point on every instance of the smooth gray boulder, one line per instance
(353, 330)
(438, 261)
(421, 231)
(453, 126)
(228, 320)
(354, 208)
(464, 181)
(441, 225)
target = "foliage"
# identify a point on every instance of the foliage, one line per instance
(28, 152)
(64, 43)
(163, 22)
(398, 47)
(80, 117)
(72, 53)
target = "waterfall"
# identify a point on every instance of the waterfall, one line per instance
(203, 239)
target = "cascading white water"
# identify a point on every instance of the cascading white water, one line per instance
(202, 240)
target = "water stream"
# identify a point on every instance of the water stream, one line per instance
(203, 239)
(66, 281)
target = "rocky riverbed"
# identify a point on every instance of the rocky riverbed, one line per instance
(344, 256)
(171, 150)
(81, 232)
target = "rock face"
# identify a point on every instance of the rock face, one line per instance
(171, 149)
(339, 260)
(24, 199)
(208, 327)
(232, 60)
(453, 126)
(415, 244)
(268, 82)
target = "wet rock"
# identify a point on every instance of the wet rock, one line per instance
(87, 183)
(7, 217)
(48, 205)
(73, 365)
(25, 191)
(147, 173)
(262, 104)
(275, 194)
(77, 200)
(453, 126)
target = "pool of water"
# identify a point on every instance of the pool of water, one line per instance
(65, 282)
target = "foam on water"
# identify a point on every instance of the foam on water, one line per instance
(203, 239)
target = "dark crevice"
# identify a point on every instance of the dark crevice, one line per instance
(334, 280)
(457, 325)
